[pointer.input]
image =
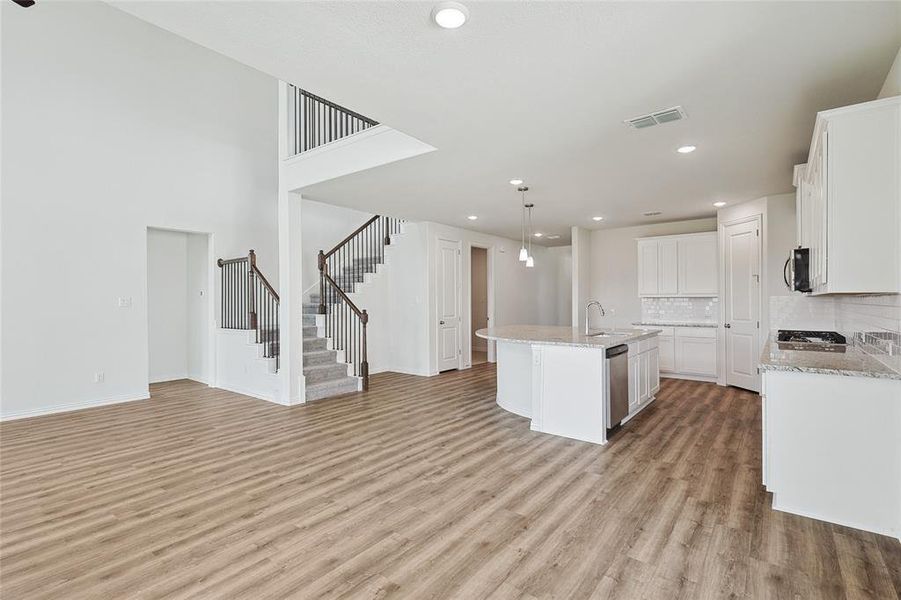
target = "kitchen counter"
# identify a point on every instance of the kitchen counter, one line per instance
(562, 380)
(675, 324)
(852, 363)
(563, 336)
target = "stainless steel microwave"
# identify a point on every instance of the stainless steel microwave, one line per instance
(796, 271)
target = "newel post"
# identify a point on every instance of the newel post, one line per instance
(364, 364)
(251, 308)
(322, 268)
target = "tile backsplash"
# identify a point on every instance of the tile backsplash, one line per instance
(871, 322)
(701, 310)
(874, 322)
(815, 313)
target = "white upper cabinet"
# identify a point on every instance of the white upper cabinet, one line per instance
(647, 268)
(697, 265)
(678, 265)
(849, 200)
(668, 267)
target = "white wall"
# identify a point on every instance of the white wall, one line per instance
(563, 256)
(323, 226)
(614, 268)
(111, 125)
(396, 299)
(198, 349)
(167, 304)
(892, 85)
(581, 274)
(478, 284)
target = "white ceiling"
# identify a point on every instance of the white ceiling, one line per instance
(539, 90)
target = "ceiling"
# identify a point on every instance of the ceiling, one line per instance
(539, 90)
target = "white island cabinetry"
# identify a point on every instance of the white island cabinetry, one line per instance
(644, 373)
(560, 379)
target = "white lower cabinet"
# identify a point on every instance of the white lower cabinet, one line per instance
(644, 373)
(689, 351)
(667, 353)
(822, 461)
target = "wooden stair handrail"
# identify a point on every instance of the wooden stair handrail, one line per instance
(350, 237)
(250, 302)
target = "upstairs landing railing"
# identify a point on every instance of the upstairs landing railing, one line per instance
(316, 121)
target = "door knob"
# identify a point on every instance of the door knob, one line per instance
(727, 326)
(441, 322)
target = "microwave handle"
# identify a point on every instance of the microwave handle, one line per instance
(785, 273)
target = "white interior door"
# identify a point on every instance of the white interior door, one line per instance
(449, 302)
(741, 261)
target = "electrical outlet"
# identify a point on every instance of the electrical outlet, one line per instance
(124, 301)
(99, 377)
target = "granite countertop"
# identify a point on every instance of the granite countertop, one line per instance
(676, 324)
(563, 336)
(852, 363)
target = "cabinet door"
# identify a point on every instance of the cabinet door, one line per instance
(647, 267)
(696, 356)
(643, 365)
(667, 355)
(668, 267)
(633, 383)
(697, 265)
(653, 371)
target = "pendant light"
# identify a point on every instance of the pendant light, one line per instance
(530, 261)
(523, 253)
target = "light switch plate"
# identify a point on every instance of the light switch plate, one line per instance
(124, 301)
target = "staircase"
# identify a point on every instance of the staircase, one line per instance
(334, 328)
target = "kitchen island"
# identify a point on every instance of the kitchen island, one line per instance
(560, 378)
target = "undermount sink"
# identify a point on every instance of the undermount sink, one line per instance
(609, 333)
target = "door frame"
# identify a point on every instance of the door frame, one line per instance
(760, 220)
(459, 299)
(211, 362)
(489, 257)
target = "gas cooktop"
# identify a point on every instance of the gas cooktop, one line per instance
(817, 341)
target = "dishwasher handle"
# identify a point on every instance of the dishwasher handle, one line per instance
(617, 350)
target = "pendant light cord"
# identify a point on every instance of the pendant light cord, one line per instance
(522, 229)
(530, 231)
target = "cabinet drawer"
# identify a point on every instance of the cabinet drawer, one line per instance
(666, 331)
(697, 332)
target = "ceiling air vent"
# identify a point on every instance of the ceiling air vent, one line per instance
(652, 213)
(676, 113)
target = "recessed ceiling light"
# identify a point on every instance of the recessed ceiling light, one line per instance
(597, 218)
(516, 182)
(685, 149)
(719, 204)
(553, 237)
(538, 234)
(450, 15)
(472, 217)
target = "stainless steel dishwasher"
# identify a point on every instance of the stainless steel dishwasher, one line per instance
(616, 372)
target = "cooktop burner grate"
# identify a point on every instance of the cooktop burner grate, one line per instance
(810, 337)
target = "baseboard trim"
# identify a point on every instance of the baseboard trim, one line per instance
(872, 528)
(251, 393)
(169, 377)
(688, 377)
(63, 408)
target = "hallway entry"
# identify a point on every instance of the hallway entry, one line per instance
(479, 303)
(178, 308)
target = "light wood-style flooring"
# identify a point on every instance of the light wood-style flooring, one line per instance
(419, 488)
